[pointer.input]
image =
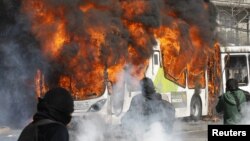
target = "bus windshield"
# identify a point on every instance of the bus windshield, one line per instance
(236, 67)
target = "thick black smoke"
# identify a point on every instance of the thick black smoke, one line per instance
(20, 49)
(114, 19)
(20, 57)
(104, 14)
(194, 12)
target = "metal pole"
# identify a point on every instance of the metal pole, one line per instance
(248, 30)
(237, 35)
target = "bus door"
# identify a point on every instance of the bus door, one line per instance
(237, 67)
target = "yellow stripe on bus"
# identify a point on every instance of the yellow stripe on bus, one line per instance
(162, 84)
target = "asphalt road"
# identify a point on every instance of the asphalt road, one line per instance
(183, 131)
(190, 131)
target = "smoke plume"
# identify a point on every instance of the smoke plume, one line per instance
(21, 57)
(74, 42)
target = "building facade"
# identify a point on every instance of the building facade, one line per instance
(233, 20)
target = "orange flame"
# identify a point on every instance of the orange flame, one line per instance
(104, 38)
(214, 79)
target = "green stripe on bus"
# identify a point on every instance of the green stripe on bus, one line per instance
(162, 84)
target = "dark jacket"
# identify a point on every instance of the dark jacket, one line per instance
(56, 107)
(52, 131)
(164, 113)
(141, 105)
(148, 108)
(137, 108)
(139, 113)
(168, 115)
(247, 94)
(227, 105)
(144, 111)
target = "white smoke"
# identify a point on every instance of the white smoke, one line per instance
(20, 58)
(96, 127)
(91, 128)
(245, 110)
(156, 132)
(18, 98)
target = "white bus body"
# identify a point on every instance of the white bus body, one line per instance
(187, 102)
(237, 66)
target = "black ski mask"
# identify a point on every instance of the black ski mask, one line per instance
(57, 104)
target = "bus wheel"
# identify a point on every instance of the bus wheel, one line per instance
(195, 108)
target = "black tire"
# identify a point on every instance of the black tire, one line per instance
(195, 108)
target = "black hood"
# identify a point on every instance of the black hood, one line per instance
(57, 104)
(148, 88)
(231, 85)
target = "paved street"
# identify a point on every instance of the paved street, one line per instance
(183, 131)
(191, 131)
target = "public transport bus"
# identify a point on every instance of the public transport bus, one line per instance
(188, 101)
(235, 64)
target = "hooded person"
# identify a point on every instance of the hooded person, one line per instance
(147, 108)
(140, 103)
(165, 113)
(142, 108)
(230, 103)
(53, 114)
(148, 88)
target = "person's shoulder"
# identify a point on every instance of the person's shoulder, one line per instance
(54, 127)
(55, 131)
(136, 99)
(60, 129)
(158, 96)
(138, 96)
(167, 103)
(240, 92)
(226, 95)
(59, 132)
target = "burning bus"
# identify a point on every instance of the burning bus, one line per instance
(189, 99)
(87, 45)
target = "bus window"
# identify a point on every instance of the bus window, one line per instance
(236, 67)
(156, 61)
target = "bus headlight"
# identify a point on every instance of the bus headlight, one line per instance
(97, 106)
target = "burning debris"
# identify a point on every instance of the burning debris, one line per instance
(72, 43)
